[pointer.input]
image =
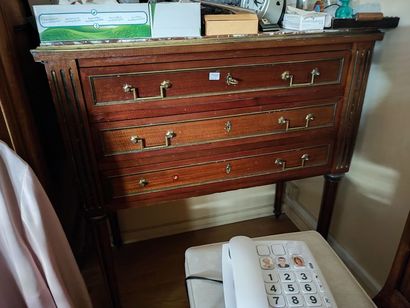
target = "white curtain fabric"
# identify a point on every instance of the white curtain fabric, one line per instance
(37, 267)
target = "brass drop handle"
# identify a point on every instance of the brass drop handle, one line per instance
(286, 75)
(281, 162)
(168, 136)
(230, 81)
(309, 117)
(143, 182)
(166, 84)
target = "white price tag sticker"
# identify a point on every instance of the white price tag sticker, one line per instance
(214, 76)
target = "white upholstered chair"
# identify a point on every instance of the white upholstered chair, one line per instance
(205, 261)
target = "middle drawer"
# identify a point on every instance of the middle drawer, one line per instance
(134, 139)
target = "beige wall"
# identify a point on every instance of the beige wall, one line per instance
(196, 213)
(374, 197)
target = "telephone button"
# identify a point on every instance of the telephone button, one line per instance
(327, 301)
(286, 277)
(308, 288)
(273, 288)
(303, 276)
(290, 288)
(266, 263)
(263, 250)
(313, 300)
(277, 249)
(295, 300)
(293, 249)
(319, 282)
(276, 301)
(270, 276)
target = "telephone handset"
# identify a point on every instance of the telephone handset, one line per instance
(259, 274)
(243, 284)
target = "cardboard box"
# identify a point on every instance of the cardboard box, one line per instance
(300, 22)
(231, 24)
(59, 23)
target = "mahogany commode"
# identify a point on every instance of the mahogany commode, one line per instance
(160, 120)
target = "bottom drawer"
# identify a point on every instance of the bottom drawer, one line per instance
(219, 171)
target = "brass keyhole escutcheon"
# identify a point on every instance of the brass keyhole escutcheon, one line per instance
(228, 126)
(228, 168)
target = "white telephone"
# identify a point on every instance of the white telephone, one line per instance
(262, 274)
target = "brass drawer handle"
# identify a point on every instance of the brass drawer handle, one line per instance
(162, 87)
(281, 162)
(288, 76)
(230, 81)
(309, 117)
(168, 136)
(143, 182)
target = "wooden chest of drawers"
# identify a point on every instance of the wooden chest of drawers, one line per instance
(161, 120)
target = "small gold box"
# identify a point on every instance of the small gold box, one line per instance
(224, 24)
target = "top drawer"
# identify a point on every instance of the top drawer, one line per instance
(143, 85)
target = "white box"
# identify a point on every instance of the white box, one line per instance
(90, 22)
(176, 19)
(308, 22)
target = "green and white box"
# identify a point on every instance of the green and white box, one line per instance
(59, 23)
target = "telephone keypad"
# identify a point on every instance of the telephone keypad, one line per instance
(291, 278)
